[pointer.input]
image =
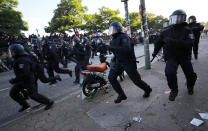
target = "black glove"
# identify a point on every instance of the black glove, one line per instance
(169, 40)
(11, 81)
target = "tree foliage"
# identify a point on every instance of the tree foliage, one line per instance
(71, 15)
(11, 22)
(67, 16)
(155, 22)
(99, 22)
(135, 21)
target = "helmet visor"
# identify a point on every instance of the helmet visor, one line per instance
(191, 21)
(177, 19)
(112, 30)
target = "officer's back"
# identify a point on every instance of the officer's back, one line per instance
(23, 67)
(122, 42)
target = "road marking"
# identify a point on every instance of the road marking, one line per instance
(4, 89)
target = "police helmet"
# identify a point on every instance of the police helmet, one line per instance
(99, 41)
(192, 19)
(75, 40)
(177, 17)
(115, 27)
(16, 50)
(84, 39)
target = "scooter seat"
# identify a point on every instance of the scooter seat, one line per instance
(97, 67)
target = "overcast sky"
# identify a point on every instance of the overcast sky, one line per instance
(39, 12)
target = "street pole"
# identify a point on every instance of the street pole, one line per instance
(37, 31)
(144, 29)
(127, 17)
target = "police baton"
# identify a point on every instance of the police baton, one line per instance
(152, 59)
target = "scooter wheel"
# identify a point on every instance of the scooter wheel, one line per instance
(87, 90)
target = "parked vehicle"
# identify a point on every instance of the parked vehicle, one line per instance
(94, 78)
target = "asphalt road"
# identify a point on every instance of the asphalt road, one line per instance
(9, 109)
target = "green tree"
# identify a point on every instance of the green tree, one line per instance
(68, 16)
(135, 21)
(11, 22)
(92, 23)
(100, 21)
(155, 22)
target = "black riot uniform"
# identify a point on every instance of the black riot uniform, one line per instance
(53, 63)
(102, 49)
(79, 55)
(39, 70)
(65, 48)
(87, 49)
(38, 62)
(25, 79)
(123, 49)
(177, 42)
(38, 52)
(196, 28)
(94, 47)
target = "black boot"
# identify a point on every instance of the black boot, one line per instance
(57, 77)
(120, 98)
(190, 87)
(190, 91)
(173, 95)
(24, 108)
(49, 105)
(147, 92)
(53, 82)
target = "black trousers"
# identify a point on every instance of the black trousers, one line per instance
(32, 93)
(132, 73)
(41, 75)
(171, 73)
(195, 47)
(94, 53)
(81, 65)
(65, 59)
(54, 66)
(87, 59)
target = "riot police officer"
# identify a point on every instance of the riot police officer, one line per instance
(79, 54)
(177, 42)
(196, 28)
(53, 63)
(87, 49)
(65, 48)
(102, 48)
(38, 52)
(123, 49)
(94, 47)
(25, 79)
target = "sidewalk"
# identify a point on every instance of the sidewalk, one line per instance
(101, 114)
